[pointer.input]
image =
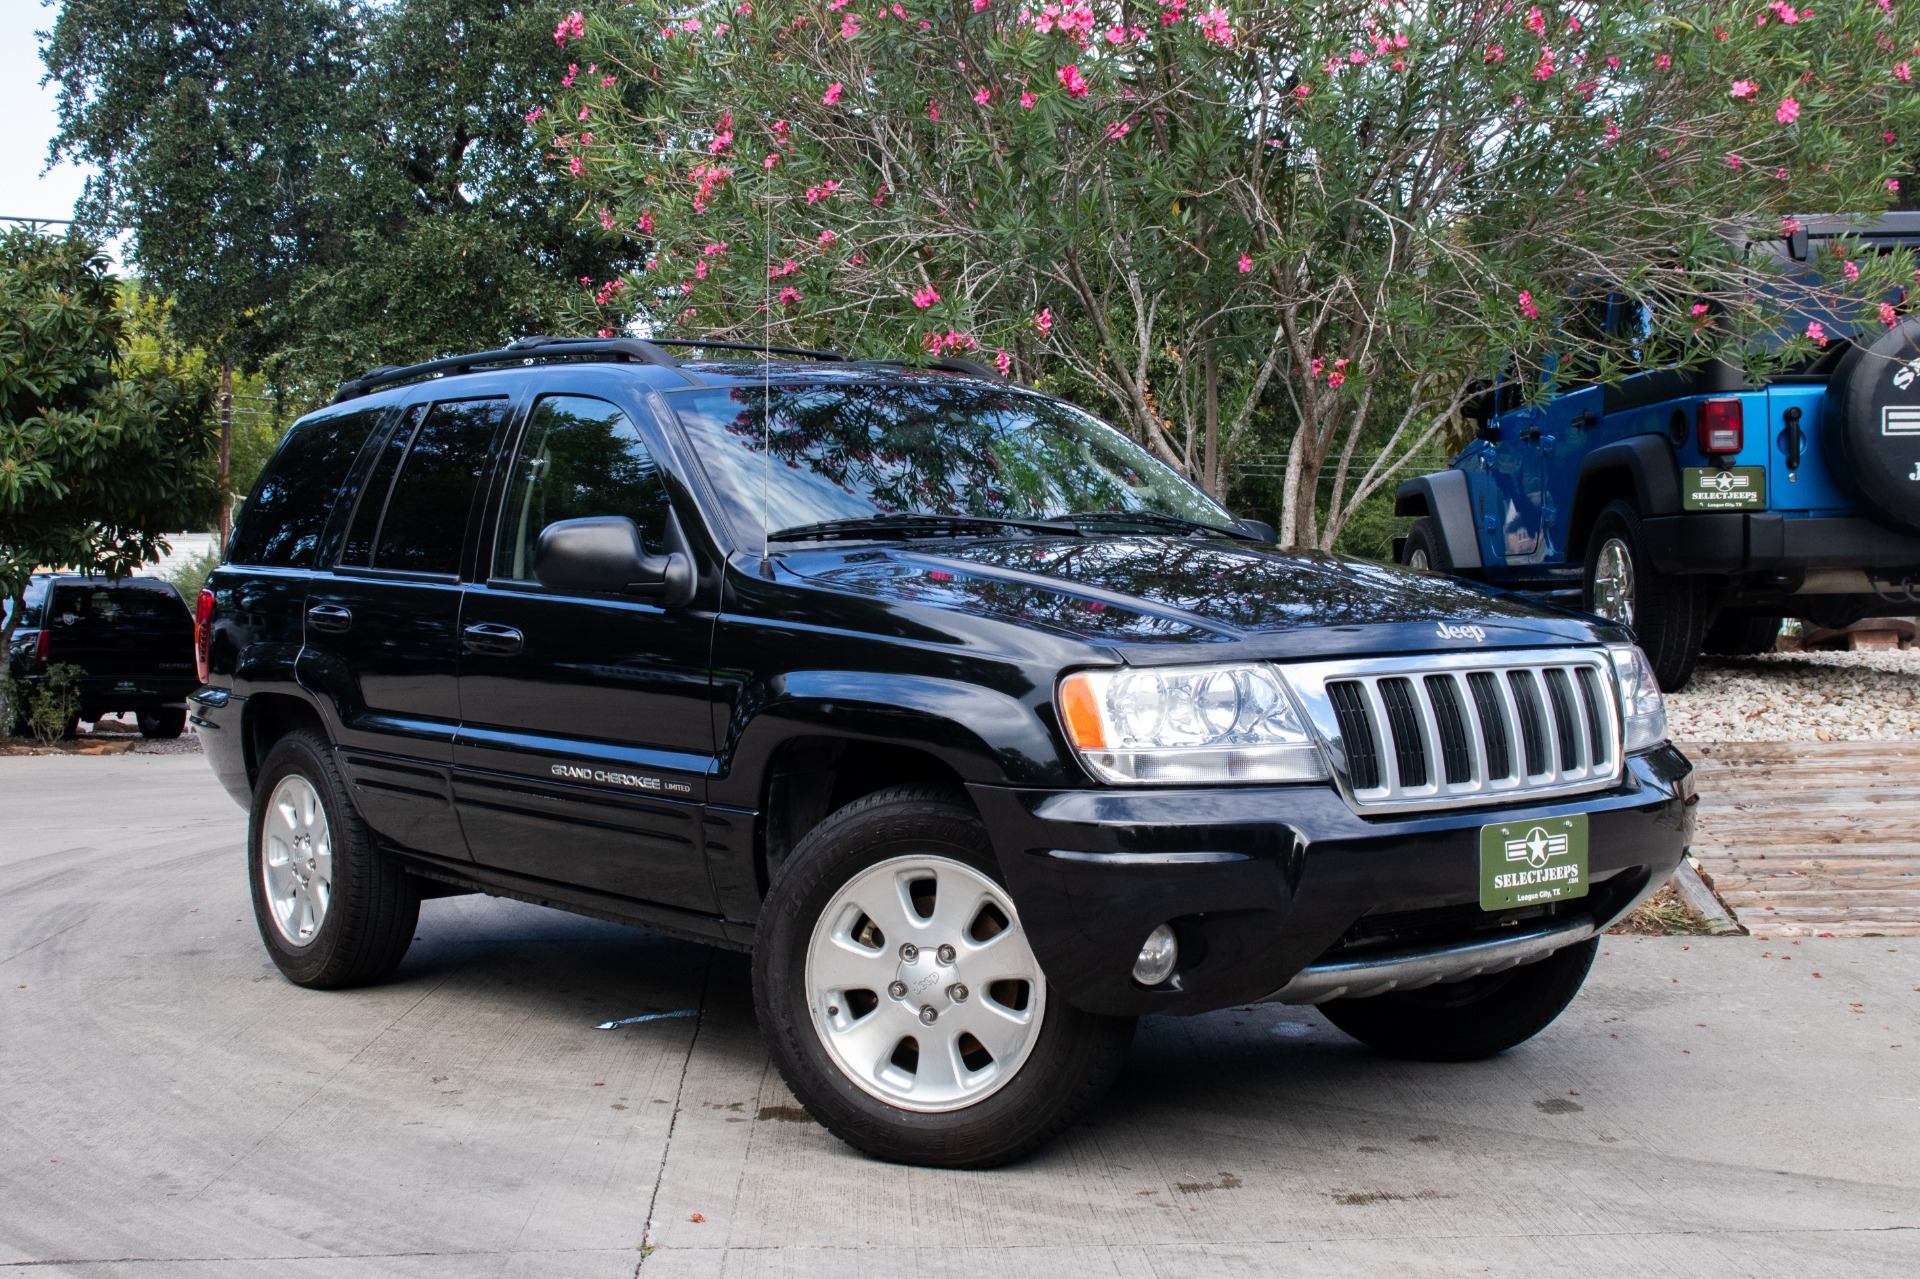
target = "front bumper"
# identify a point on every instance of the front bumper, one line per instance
(1738, 542)
(1263, 883)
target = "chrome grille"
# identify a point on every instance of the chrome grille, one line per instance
(1449, 730)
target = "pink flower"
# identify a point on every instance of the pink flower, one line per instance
(1734, 161)
(1070, 77)
(1027, 101)
(534, 114)
(1785, 11)
(1889, 316)
(827, 237)
(933, 110)
(1336, 380)
(832, 95)
(1118, 129)
(1302, 90)
(850, 26)
(1893, 185)
(1817, 333)
(1216, 26)
(1044, 321)
(1662, 61)
(1543, 70)
(772, 159)
(1246, 263)
(1789, 111)
(1003, 361)
(700, 269)
(1743, 89)
(789, 295)
(1496, 53)
(1527, 308)
(1314, 368)
(1849, 271)
(645, 224)
(1902, 72)
(780, 128)
(981, 6)
(714, 250)
(1789, 226)
(1536, 21)
(1115, 35)
(572, 27)
(573, 69)
(926, 297)
(574, 166)
(606, 221)
(983, 97)
(1699, 309)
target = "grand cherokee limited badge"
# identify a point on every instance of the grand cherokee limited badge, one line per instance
(608, 777)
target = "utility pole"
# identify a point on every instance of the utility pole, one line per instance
(226, 452)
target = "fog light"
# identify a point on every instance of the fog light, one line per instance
(1158, 954)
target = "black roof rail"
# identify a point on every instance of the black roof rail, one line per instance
(636, 350)
(753, 347)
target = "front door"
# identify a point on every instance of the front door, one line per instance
(587, 733)
(1508, 488)
(382, 642)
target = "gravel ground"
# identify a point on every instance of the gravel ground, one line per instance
(1800, 697)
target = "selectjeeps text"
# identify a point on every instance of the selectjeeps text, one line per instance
(981, 728)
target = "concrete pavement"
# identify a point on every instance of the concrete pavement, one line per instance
(170, 1107)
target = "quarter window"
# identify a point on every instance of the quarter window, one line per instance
(578, 457)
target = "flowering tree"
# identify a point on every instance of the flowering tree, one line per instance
(1203, 210)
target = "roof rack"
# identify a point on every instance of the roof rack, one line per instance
(635, 350)
(752, 347)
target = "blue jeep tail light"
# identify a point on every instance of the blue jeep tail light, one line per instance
(1721, 430)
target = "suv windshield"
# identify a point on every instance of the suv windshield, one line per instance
(852, 452)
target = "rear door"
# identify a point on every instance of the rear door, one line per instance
(587, 734)
(382, 644)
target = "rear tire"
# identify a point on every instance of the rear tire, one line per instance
(1741, 635)
(841, 993)
(333, 909)
(1666, 612)
(168, 721)
(1467, 1020)
(1424, 548)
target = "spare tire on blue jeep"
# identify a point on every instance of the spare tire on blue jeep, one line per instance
(1871, 434)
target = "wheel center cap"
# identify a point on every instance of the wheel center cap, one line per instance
(923, 976)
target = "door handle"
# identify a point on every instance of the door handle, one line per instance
(330, 617)
(492, 639)
(1531, 434)
(1584, 421)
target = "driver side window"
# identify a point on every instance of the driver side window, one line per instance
(577, 457)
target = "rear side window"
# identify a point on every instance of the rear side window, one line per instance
(426, 515)
(281, 524)
(578, 457)
(105, 606)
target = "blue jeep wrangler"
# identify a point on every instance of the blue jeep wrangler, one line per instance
(1695, 507)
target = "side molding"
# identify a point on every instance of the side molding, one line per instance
(1444, 497)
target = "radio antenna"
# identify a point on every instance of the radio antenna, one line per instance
(766, 386)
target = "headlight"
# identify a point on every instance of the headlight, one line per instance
(1644, 712)
(1184, 724)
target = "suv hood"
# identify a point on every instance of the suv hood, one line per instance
(1156, 590)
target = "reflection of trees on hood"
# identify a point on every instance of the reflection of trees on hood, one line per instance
(944, 449)
(1244, 589)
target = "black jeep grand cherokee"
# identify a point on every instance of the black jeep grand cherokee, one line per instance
(982, 729)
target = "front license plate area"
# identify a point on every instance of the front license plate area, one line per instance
(1533, 861)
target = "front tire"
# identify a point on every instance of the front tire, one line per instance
(1425, 550)
(891, 910)
(1467, 1020)
(333, 909)
(1666, 612)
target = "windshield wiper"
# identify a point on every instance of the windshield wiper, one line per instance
(1154, 519)
(915, 525)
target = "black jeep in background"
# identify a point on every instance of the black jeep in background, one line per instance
(131, 638)
(982, 729)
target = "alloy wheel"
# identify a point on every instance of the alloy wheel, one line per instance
(921, 985)
(296, 854)
(1613, 582)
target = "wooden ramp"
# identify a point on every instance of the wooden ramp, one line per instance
(1812, 837)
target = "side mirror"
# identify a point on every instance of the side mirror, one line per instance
(1482, 404)
(1260, 529)
(604, 555)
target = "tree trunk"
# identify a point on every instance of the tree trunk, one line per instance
(9, 691)
(1211, 464)
(226, 453)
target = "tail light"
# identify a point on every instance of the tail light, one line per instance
(43, 645)
(203, 636)
(1721, 430)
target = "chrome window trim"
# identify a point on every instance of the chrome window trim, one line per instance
(1308, 682)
